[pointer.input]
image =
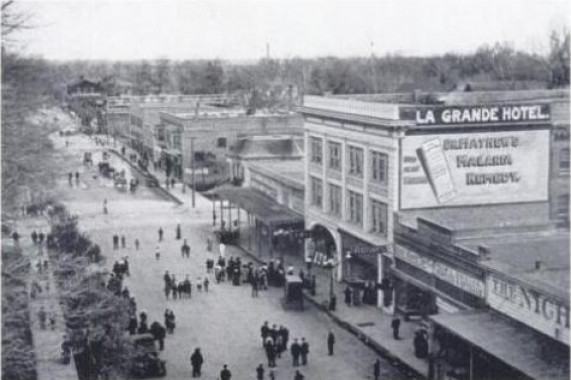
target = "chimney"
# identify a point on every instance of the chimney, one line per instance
(538, 264)
(484, 252)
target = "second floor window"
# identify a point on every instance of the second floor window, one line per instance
(316, 150)
(335, 200)
(355, 208)
(564, 160)
(379, 166)
(334, 155)
(356, 161)
(316, 192)
(379, 215)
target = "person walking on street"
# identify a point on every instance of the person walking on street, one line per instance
(347, 293)
(295, 351)
(377, 369)
(196, 361)
(270, 352)
(225, 374)
(395, 325)
(70, 179)
(35, 237)
(265, 332)
(330, 342)
(77, 179)
(157, 253)
(123, 241)
(298, 376)
(115, 241)
(178, 232)
(304, 350)
(160, 234)
(206, 283)
(136, 244)
(260, 372)
(173, 181)
(105, 211)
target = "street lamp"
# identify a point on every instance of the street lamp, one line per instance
(331, 264)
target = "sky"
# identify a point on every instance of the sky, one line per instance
(242, 30)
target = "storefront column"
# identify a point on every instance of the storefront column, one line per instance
(230, 216)
(221, 212)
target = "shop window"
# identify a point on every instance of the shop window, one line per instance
(316, 192)
(356, 161)
(335, 200)
(355, 208)
(564, 160)
(316, 147)
(379, 167)
(221, 142)
(379, 217)
(334, 156)
(563, 206)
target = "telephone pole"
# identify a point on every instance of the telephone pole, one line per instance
(193, 170)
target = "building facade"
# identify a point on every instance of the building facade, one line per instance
(366, 160)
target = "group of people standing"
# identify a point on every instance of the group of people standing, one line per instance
(182, 289)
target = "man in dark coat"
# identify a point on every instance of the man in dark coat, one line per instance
(35, 237)
(265, 332)
(270, 352)
(274, 333)
(295, 350)
(196, 361)
(178, 232)
(115, 241)
(260, 372)
(377, 369)
(159, 333)
(304, 350)
(160, 234)
(330, 342)
(225, 374)
(347, 293)
(395, 325)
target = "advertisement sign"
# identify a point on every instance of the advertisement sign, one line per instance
(477, 115)
(442, 271)
(536, 310)
(474, 168)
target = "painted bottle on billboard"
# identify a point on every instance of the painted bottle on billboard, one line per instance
(431, 156)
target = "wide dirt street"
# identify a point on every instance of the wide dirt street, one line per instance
(225, 322)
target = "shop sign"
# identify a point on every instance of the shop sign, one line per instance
(367, 250)
(415, 259)
(442, 271)
(474, 115)
(455, 169)
(539, 311)
(460, 280)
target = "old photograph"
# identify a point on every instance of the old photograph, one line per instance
(285, 190)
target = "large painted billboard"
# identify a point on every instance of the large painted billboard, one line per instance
(474, 168)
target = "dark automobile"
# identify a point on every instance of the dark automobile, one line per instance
(146, 361)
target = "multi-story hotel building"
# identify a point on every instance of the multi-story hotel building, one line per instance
(367, 160)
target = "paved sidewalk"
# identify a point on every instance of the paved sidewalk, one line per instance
(367, 322)
(47, 343)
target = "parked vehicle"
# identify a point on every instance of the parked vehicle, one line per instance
(146, 360)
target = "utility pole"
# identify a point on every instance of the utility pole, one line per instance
(193, 170)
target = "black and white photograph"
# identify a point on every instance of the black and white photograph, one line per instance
(285, 190)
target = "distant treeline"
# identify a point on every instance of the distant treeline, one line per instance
(359, 75)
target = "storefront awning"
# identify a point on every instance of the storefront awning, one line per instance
(518, 346)
(267, 210)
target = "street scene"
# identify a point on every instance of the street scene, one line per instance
(348, 213)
